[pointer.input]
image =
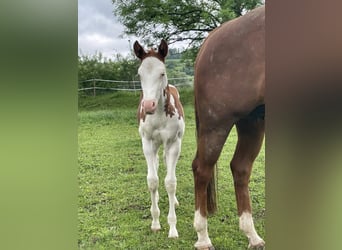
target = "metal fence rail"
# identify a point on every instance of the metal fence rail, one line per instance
(117, 85)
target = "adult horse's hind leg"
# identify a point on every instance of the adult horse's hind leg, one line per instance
(250, 138)
(172, 152)
(209, 146)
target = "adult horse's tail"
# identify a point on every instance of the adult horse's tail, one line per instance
(211, 188)
(211, 193)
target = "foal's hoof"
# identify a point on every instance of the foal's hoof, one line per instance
(206, 248)
(173, 234)
(258, 246)
(155, 227)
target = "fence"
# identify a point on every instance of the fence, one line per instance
(94, 86)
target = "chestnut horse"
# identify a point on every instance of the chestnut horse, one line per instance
(161, 122)
(229, 90)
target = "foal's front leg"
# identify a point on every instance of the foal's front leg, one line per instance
(151, 155)
(172, 152)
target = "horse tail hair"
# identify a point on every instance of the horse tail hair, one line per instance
(211, 192)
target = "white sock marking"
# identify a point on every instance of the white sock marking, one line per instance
(247, 226)
(201, 227)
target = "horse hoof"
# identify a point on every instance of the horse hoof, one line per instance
(258, 246)
(173, 234)
(155, 228)
(207, 248)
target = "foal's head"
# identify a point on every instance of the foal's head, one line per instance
(152, 74)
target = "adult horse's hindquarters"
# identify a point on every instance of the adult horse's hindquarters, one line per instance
(229, 90)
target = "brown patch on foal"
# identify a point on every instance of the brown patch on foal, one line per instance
(169, 108)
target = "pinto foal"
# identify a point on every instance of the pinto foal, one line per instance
(161, 121)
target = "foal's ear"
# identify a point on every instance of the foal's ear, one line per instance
(138, 50)
(163, 48)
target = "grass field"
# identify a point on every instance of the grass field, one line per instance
(114, 202)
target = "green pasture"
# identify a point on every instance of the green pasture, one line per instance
(114, 202)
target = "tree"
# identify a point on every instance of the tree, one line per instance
(98, 67)
(177, 20)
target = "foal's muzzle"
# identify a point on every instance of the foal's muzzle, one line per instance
(149, 106)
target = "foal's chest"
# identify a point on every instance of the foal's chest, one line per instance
(161, 128)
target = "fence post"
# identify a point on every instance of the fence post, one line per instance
(94, 94)
(135, 92)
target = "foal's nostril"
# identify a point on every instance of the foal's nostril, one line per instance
(150, 106)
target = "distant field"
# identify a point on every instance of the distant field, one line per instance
(114, 202)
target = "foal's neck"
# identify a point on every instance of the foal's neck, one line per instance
(162, 101)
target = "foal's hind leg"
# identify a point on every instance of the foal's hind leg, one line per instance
(151, 155)
(250, 137)
(172, 152)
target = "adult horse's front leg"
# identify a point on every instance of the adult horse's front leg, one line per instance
(172, 152)
(209, 146)
(151, 155)
(250, 137)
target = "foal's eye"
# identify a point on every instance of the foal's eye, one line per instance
(162, 74)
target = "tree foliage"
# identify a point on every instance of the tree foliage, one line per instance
(98, 67)
(177, 20)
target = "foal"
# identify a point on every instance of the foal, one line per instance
(161, 121)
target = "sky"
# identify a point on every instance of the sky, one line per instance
(99, 30)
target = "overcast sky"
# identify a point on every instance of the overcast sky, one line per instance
(99, 31)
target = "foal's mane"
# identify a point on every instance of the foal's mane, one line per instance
(153, 53)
